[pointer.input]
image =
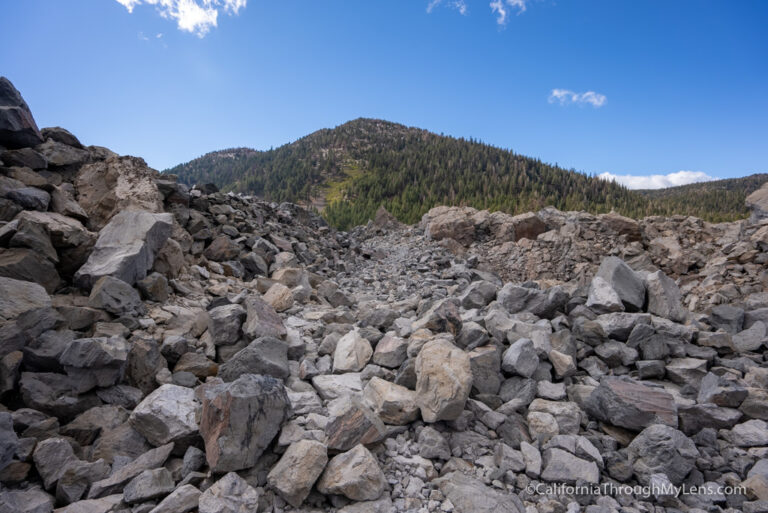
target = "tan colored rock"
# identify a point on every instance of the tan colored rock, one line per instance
(450, 223)
(107, 187)
(298, 469)
(443, 380)
(395, 404)
(355, 474)
(279, 297)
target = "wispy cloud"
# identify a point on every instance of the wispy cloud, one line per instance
(501, 8)
(566, 97)
(195, 16)
(658, 181)
(459, 5)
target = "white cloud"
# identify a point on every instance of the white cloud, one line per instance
(459, 5)
(195, 16)
(565, 97)
(501, 9)
(658, 181)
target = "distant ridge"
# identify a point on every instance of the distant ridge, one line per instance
(349, 171)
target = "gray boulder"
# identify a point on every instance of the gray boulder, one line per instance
(17, 126)
(230, 494)
(632, 405)
(126, 247)
(240, 419)
(626, 282)
(662, 449)
(265, 355)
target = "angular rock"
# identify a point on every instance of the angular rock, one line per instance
(149, 485)
(262, 320)
(166, 415)
(352, 422)
(240, 419)
(298, 469)
(662, 449)
(111, 187)
(443, 380)
(51, 458)
(224, 324)
(17, 126)
(120, 477)
(183, 499)
(603, 298)
(664, 297)
(355, 474)
(627, 284)
(469, 495)
(520, 358)
(28, 265)
(95, 362)
(265, 355)
(126, 248)
(393, 403)
(391, 351)
(352, 353)
(563, 467)
(116, 297)
(230, 494)
(632, 405)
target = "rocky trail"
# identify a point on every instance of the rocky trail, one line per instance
(168, 350)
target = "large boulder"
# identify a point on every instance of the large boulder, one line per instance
(18, 297)
(126, 247)
(17, 126)
(298, 469)
(662, 449)
(626, 282)
(116, 297)
(240, 419)
(167, 415)
(29, 265)
(450, 223)
(443, 380)
(114, 185)
(352, 353)
(632, 405)
(664, 297)
(261, 319)
(355, 474)
(758, 202)
(95, 362)
(265, 355)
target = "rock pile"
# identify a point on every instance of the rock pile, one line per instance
(169, 350)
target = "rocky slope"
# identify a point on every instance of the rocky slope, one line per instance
(167, 349)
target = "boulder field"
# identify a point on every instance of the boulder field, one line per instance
(166, 349)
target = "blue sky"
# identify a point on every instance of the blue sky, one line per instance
(621, 87)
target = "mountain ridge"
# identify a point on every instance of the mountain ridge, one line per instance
(348, 171)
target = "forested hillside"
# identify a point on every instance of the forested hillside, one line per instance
(349, 171)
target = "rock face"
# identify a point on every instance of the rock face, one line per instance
(240, 419)
(115, 185)
(443, 380)
(126, 247)
(446, 375)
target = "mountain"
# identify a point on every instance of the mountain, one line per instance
(349, 171)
